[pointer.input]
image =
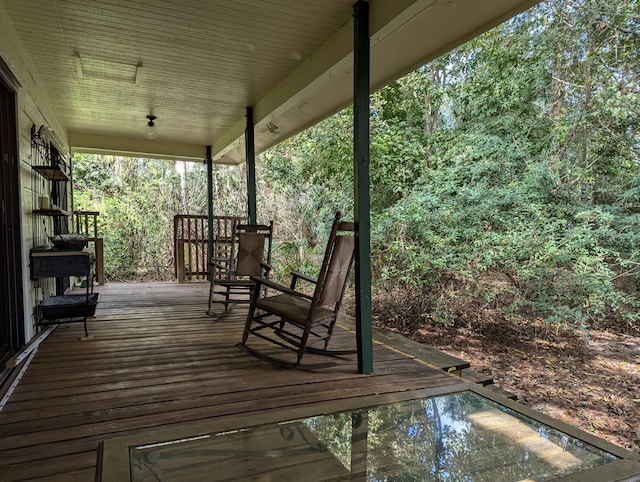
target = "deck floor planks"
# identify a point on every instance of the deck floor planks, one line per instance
(174, 411)
(157, 360)
(152, 400)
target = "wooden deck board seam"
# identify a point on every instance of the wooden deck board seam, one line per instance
(14, 383)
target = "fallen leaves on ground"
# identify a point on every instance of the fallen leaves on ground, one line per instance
(590, 382)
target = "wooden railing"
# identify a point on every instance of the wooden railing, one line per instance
(191, 236)
(86, 222)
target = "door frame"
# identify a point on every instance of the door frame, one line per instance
(12, 305)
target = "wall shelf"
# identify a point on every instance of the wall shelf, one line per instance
(52, 173)
(51, 186)
(51, 212)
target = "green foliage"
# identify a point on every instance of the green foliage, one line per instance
(530, 198)
(480, 215)
(137, 200)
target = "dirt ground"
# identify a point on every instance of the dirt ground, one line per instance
(591, 382)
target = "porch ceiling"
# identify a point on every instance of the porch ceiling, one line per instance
(197, 65)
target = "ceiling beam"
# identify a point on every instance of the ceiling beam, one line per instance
(91, 143)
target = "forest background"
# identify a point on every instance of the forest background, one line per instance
(504, 184)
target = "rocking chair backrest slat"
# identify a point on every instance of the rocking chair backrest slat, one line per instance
(337, 272)
(253, 242)
(336, 265)
(250, 254)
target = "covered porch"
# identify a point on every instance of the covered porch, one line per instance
(222, 81)
(218, 82)
(158, 365)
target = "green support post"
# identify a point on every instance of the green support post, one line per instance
(250, 146)
(209, 162)
(361, 88)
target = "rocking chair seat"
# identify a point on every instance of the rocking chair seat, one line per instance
(294, 309)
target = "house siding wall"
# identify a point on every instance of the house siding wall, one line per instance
(34, 108)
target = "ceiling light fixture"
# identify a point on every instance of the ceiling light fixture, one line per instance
(150, 131)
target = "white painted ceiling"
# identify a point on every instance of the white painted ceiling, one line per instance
(197, 65)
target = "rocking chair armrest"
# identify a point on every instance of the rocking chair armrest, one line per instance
(295, 275)
(260, 280)
(266, 267)
(224, 264)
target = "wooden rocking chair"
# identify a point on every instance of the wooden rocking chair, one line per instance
(296, 321)
(249, 255)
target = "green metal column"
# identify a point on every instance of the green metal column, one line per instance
(249, 140)
(361, 89)
(209, 162)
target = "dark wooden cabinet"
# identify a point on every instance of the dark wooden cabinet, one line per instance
(54, 263)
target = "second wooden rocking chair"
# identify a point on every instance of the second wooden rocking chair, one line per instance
(297, 321)
(249, 255)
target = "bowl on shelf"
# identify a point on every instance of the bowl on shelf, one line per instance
(69, 241)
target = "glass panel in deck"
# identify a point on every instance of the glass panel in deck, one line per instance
(456, 437)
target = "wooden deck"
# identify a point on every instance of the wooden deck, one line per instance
(158, 363)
